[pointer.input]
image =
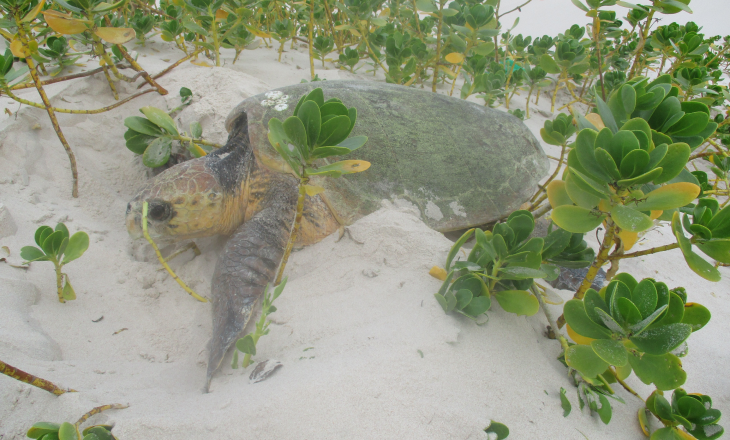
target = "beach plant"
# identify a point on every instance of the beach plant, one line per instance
(152, 136)
(247, 344)
(693, 412)
(503, 265)
(630, 325)
(72, 431)
(60, 248)
(318, 129)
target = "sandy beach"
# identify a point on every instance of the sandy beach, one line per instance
(367, 352)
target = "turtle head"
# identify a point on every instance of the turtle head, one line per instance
(186, 201)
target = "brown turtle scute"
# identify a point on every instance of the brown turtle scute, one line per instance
(461, 164)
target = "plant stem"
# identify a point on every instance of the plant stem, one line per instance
(59, 280)
(76, 112)
(180, 61)
(174, 276)
(47, 105)
(653, 250)
(596, 37)
(216, 43)
(310, 36)
(438, 45)
(30, 379)
(600, 260)
(97, 410)
(624, 384)
(295, 230)
(642, 42)
(553, 176)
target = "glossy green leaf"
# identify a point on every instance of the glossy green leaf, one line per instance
(565, 403)
(575, 315)
(477, 306)
(137, 143)
(694, 261)
(605, 411)
(40, 429)
(674, 313)
(640, 179)
(442, 301)
(611, 351)
(316, 95)
(500, 429)
(664, 371)
(673, 195)
(717, 249)
(41, 233)
(593, 300)
(588, 185)
(628, 313)
(605, 160)
(642, 325)
(309, 114)
(334, 131)
(585, 360)
(609, 320)
(673, 162)
(52, 242)
(519, 302)
(278, 140)
(606, 115)
(690, 407)
(576, 219)
(630, 219)
(246, 345)
(68, 291)
(196, 130)
(68, 431)
(634, 163)
(297, 134)
(696, 316)
(548, 64)
(161, 119)
(32, 253)
(456, 246)
(520, 273)
(720, 223)
(322, 152)
(142, 125)
(666, 433)
(77, 245)
(339, 168)
(585, 150)
(645, 297)
(157, 153)
(690, 124)
(660, 340)
(353, 143)
(463, 297)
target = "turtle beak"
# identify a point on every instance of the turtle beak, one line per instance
(134, 220)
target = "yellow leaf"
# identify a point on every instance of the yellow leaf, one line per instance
(200, 63)
(6, 34)
(199, 150)
(384, 13)
(64, 24)
(438, 273)
(629, 239)
(313, 190)
(354, 166)
(342, 27)
(557, 194)
(578, 339)
(220, 14)
(355, 32)
(16, 47)
(455, 58)
(34, 12)
(643, 422)
(448, 72)
(656, 214)
(115, 35)
(595, 119)
(166, 38)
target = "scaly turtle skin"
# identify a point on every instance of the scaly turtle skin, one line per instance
(461, 164)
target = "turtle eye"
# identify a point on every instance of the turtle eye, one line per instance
(159, 211)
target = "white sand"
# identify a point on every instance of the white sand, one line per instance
(352, 323)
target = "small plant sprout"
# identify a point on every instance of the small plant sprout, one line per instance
(57, 247)
(163, 261)
(71, 431)
(153, 135)
(247, 344)
(693, 412)
(317, 130)
(18, 374)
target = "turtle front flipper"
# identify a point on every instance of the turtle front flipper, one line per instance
(249, 261)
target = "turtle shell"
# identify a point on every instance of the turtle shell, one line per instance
(460, 163)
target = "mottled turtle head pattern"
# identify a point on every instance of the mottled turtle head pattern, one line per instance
(198, 198)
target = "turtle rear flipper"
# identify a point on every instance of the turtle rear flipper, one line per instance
(249, 261)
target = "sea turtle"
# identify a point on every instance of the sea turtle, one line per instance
(460, 163)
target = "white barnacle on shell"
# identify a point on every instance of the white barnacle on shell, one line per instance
(274, 94)
(268, 103)
(281, 107)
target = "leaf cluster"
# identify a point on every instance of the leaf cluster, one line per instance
(693, 412)
(67, 431)
(632, 325)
